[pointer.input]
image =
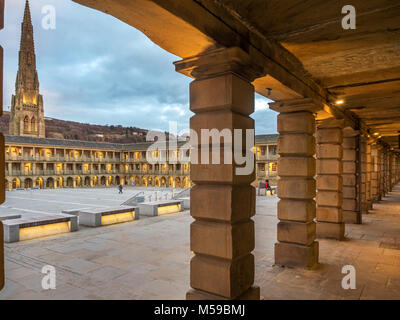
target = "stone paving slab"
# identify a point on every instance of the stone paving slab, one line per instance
(149, 258)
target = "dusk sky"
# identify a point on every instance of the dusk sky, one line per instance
(96, 69)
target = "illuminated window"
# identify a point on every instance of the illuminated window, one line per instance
(26, 123)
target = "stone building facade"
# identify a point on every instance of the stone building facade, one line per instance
(53, 163)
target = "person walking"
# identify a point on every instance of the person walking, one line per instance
(268, 187)
(120, 188)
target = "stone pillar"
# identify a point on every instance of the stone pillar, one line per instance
(368, 182)
(329, 180)
(2, 154)
(296, 246)
(222, 200)
(383, 171)
(351, 209)
(389, 173)
(374, 173)
(363, 180)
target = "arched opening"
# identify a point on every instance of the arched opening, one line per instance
(157, 182)
(177, 182)
(117, 180)
(186, 182)
(110, 181)
(171, 182)
(70, 182)
(33, 124)
(95, 181)
(87, 182)
(59, 182)
(28, 183)
(163, 182)
(50, 183)
(39, 183)
(144, 182)
(16, 183)
(78, 182)
(26, 124)
(137, 181)
(103, 181)
(150, 181)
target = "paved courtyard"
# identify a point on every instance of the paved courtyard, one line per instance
(149, 258)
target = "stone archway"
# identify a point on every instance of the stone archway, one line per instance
(144, 182)
(78, 182)
(87, 182)
(50, 183)
(177, 182)
(70, 182)
(16, 183)
(171, 182)
(59, 182)
(39, 183)
(103, 181)
(28, 183)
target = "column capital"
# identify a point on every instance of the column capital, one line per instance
(296, 105)
(218, 62)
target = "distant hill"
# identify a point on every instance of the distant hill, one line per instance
(61, 129)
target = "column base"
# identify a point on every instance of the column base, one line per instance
(351, 217)
(296, 255)
(329, 230)
(252, 293)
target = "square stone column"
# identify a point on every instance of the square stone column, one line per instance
(368, 186)
(351, 208)
(363, 180)
(375, 173)
(329, 180)
(222, 201)
(382, 171)
(296, 246)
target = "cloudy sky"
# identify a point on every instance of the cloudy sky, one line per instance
(94, 68)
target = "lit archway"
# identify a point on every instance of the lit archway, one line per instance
(50, 183)
(39, 183)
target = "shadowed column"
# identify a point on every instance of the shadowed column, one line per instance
(329, 180)
(368, 186)
(375, 173)
(351, 210)
(296, 246)
(222, 200)
(363, 180)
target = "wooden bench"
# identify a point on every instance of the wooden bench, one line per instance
(158, 208)
(98, 217)
(37, 227)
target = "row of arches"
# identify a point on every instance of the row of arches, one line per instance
(98, 181)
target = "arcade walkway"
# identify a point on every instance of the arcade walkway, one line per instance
(149, 259)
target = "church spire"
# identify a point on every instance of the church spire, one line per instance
(27, 79)
(27, 115)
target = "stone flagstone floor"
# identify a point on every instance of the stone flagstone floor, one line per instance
(149, 258)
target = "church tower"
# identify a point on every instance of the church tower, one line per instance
(27, 114)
